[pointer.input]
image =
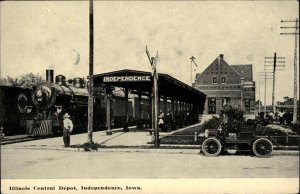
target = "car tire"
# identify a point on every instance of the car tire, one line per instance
(211, 147)
(262, 148)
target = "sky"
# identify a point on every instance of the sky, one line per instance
(37, 35)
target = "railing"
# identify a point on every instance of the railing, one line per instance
(282, 140)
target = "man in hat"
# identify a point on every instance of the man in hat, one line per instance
(68, 128)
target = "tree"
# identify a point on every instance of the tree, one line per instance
(26, 81)
(286, 98)
(9, 81)
(257, 102)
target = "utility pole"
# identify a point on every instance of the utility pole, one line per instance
(91, 65)
(296, 33)
(265, 75)
(192, 61)
(275, 66)
(153, 61)
(258, 95)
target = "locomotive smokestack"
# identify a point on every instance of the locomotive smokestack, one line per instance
(49, 75)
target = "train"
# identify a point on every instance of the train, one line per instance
(15, 103)
(38, 111)
(52, 99)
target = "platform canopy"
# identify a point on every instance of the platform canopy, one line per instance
(141, 82)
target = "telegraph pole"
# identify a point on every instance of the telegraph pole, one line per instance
(91, 65)
(275, 66)
(258, 95)
(153, 61)
(265, 75)
(296, 33)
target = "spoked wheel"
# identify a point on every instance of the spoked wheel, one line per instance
(262, 147)
(211, 147)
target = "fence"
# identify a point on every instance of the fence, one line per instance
(283, 140)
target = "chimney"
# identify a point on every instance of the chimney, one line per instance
(222, 56)
(49, 75)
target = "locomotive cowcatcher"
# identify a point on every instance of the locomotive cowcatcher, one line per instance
(216, 141)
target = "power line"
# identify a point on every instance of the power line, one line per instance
(296, 33)
(74, 30)
(277, 65)
(91, 72)
(266, 76)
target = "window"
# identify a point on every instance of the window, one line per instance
(223, 80)
(247, 105)
(211, 105)
(214, 80)
(225, 101)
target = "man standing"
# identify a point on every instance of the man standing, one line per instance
(68, 128)
(161, 122)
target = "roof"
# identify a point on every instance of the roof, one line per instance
(219, 60)
(167, 85)
(244, 70)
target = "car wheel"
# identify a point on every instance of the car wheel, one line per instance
(262, 147)
(211, 147)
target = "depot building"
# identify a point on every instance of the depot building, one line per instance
(227, 84)
(174, 96)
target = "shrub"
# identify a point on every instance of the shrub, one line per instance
(211, 123)
(234, 119)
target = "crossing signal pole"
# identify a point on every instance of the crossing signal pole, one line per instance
(192, 61)
(153, 61)
(265, 75)
(296, 33)
(259, 107)
(278, 64)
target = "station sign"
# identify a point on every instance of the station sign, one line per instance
(132, 78)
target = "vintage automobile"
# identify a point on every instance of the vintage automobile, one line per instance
(217, 140)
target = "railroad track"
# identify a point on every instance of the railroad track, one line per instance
(11, 140)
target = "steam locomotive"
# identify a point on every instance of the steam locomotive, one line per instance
(51, 100)
(15, 102)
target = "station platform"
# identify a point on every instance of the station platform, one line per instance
(119, 139)
(134, 140)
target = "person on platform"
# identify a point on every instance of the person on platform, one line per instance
(161, 121)
(68, 128)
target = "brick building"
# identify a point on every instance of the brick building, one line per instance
(223, 84)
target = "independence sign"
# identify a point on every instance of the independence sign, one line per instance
(134, 78)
